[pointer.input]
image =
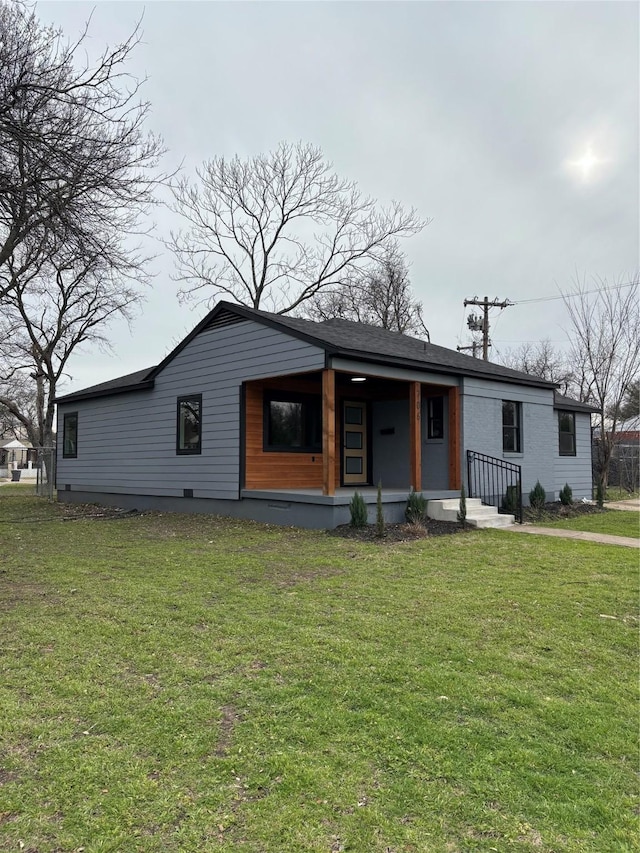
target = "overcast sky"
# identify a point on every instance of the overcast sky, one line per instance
(514, 126)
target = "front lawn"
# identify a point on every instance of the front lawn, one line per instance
(612, 521)
(181, 683)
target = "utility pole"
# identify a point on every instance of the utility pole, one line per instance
(480, 323)
(475, 346)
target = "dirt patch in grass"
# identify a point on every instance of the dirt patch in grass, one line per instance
(13, 592)
(230, 717)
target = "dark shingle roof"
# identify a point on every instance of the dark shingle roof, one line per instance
(371, 343)
(130, 382)
(338, 337)
(560, 402)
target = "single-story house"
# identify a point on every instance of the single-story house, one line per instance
(279, 419)
(18, 454)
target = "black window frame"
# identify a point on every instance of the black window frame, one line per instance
(513, 429)
(571, 433)
(434, 418)
(311, 422)
(180, 402)
(67, 418)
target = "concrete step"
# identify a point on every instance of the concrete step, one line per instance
(443, 509)
(497, 520)
(478, 515)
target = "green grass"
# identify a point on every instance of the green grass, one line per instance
(612, 522)
(616, 493)
(175, 683)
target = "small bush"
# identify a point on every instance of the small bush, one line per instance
(358, 510)
(462, 512)
(416, 509)
(566, 495)
(510, 500)
(600, 494)
(379, 513)
(537, 496)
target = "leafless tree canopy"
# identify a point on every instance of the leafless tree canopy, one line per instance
(379, 296)
(605, 351)
(77, 176)
(541, 359)
(75, 162)
(64, 302)
(273, 231)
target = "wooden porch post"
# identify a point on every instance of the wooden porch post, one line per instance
(328, 432)
(455, 478)
(415, 435)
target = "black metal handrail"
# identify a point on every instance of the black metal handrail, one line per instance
(496, 482)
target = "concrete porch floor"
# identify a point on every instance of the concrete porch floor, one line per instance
(343, 495)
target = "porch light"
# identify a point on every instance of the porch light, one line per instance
(358, 378)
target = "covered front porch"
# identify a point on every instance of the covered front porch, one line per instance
(311, 440)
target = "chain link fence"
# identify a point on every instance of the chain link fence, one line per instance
(46, 472)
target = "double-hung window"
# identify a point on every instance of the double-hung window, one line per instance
(189, 426)
(511, 426)
(567, 433)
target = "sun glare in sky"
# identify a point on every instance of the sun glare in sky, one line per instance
(587, 167)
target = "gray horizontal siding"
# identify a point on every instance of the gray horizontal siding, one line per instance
(482, 428)
(126, 443)
(576, 470)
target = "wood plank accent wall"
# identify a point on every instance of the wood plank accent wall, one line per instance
(415, 435)
(455, 474)
(329, 432)
(277, 470)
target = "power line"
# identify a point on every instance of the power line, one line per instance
(578, 293)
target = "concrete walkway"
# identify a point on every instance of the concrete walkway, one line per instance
(632, 505)
(603, 538)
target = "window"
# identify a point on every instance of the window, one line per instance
(292, 422)
(70, 435)
(511, 426)
(435, 417)
(189, 430)
(567, 433)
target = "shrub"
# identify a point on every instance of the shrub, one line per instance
(462, 512)
(510, 500)
(379, 513)
(537, 496)
(416, 509)
(358, 510)
(566, 495)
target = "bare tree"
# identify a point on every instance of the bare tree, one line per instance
(273, 231)
(76, 164)
(541, 359)
(605, 349)
(9, 425)
(62, 303)
(378, 296)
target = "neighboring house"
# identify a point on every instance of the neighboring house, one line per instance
(17, 453)
(279, 419)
